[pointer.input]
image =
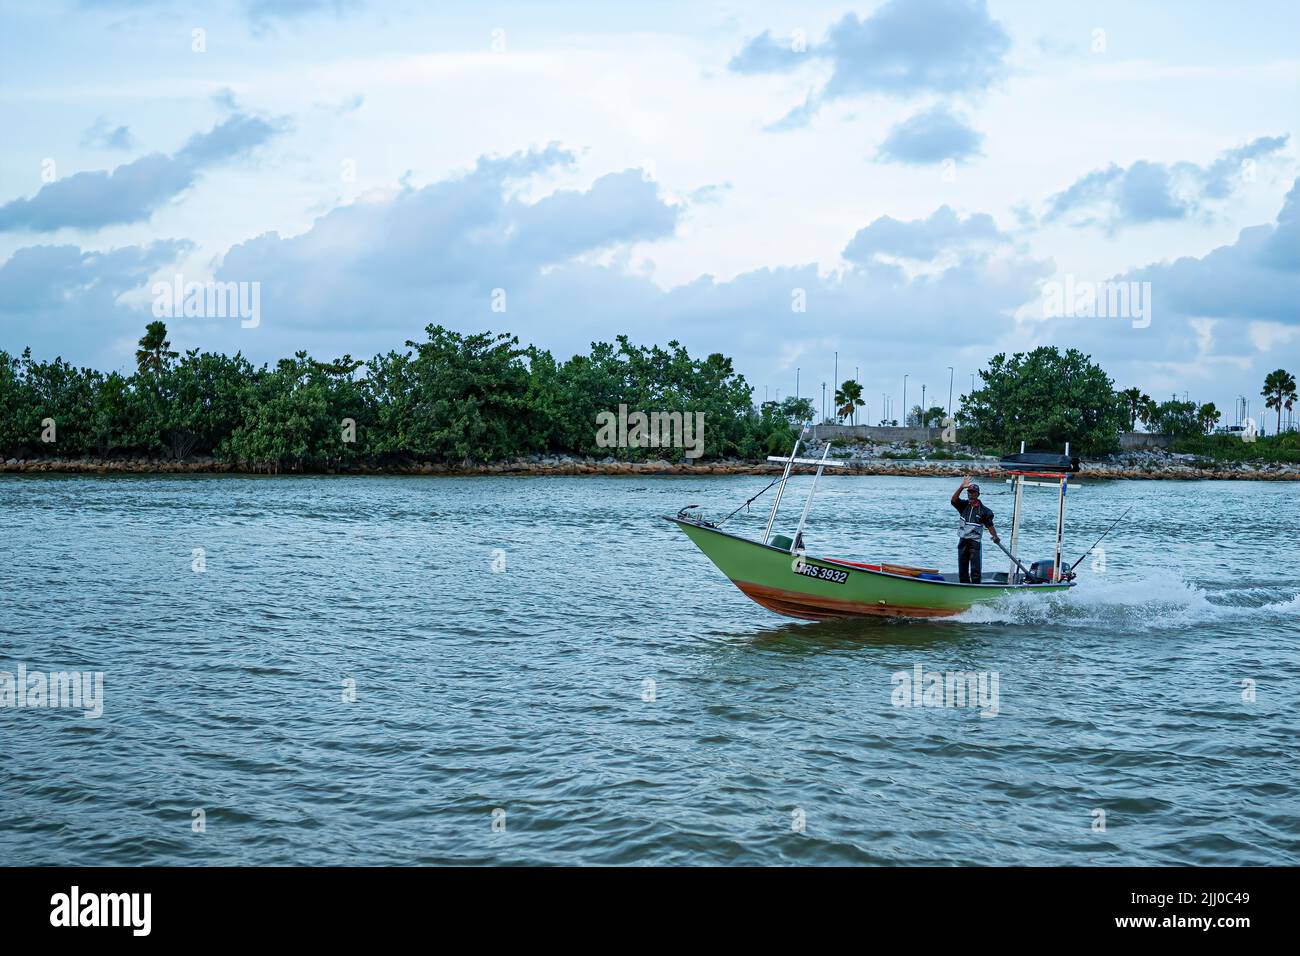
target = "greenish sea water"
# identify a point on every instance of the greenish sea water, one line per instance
(546, 673)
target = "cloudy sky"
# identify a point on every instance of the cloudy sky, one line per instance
(905, 182)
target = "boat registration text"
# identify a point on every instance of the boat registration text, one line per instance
(822, 574)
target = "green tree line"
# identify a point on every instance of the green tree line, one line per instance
(449, 398)
(1048, 397)
(454, 398)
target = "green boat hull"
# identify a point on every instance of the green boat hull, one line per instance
(822, 588)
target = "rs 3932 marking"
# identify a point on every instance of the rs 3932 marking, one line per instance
(822, 574)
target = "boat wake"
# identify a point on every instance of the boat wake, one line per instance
(1155, 602)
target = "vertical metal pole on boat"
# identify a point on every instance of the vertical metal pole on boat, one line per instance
(1018, 481)
(808, 504)
(1060, 527)
(780, 489)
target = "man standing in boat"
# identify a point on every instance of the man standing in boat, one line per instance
(974, 519)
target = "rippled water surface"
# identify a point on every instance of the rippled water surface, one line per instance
(519, 697)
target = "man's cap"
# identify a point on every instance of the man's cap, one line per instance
(973, 488)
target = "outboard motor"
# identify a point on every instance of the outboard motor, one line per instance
(1040, 572)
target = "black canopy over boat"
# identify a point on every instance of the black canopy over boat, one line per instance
(1041, 461)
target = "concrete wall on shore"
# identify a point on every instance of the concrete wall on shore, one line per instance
(878, 433)
(1137, 441)
(1128, 441)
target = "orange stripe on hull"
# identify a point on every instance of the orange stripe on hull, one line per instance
(810, 608)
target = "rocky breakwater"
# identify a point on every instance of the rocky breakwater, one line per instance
(1134, 465)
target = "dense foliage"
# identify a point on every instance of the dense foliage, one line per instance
(476, 398)
(1045, 398)
(1274, 448)
(450, 398)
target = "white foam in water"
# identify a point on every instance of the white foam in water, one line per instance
(1161, 600)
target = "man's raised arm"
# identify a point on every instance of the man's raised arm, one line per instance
(957, 494)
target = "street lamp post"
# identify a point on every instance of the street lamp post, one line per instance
(950, 391)
(923, 422)
(904, 401)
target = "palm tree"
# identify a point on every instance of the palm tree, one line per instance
(1146, 411)
(1208, 416)
(1133, 399)
(1279, 389)
(848, 399)
(153, 352)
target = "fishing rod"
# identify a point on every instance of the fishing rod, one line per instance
(749, 502)
(1098, 541)
(803, 430)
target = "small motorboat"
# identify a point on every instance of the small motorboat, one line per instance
(777, 573)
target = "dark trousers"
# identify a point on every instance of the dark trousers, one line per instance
(968, 560)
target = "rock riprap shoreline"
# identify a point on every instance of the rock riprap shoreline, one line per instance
(1135, 465)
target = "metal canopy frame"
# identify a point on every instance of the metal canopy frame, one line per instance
(1059, 480)
(790, 462)
(780, 489)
